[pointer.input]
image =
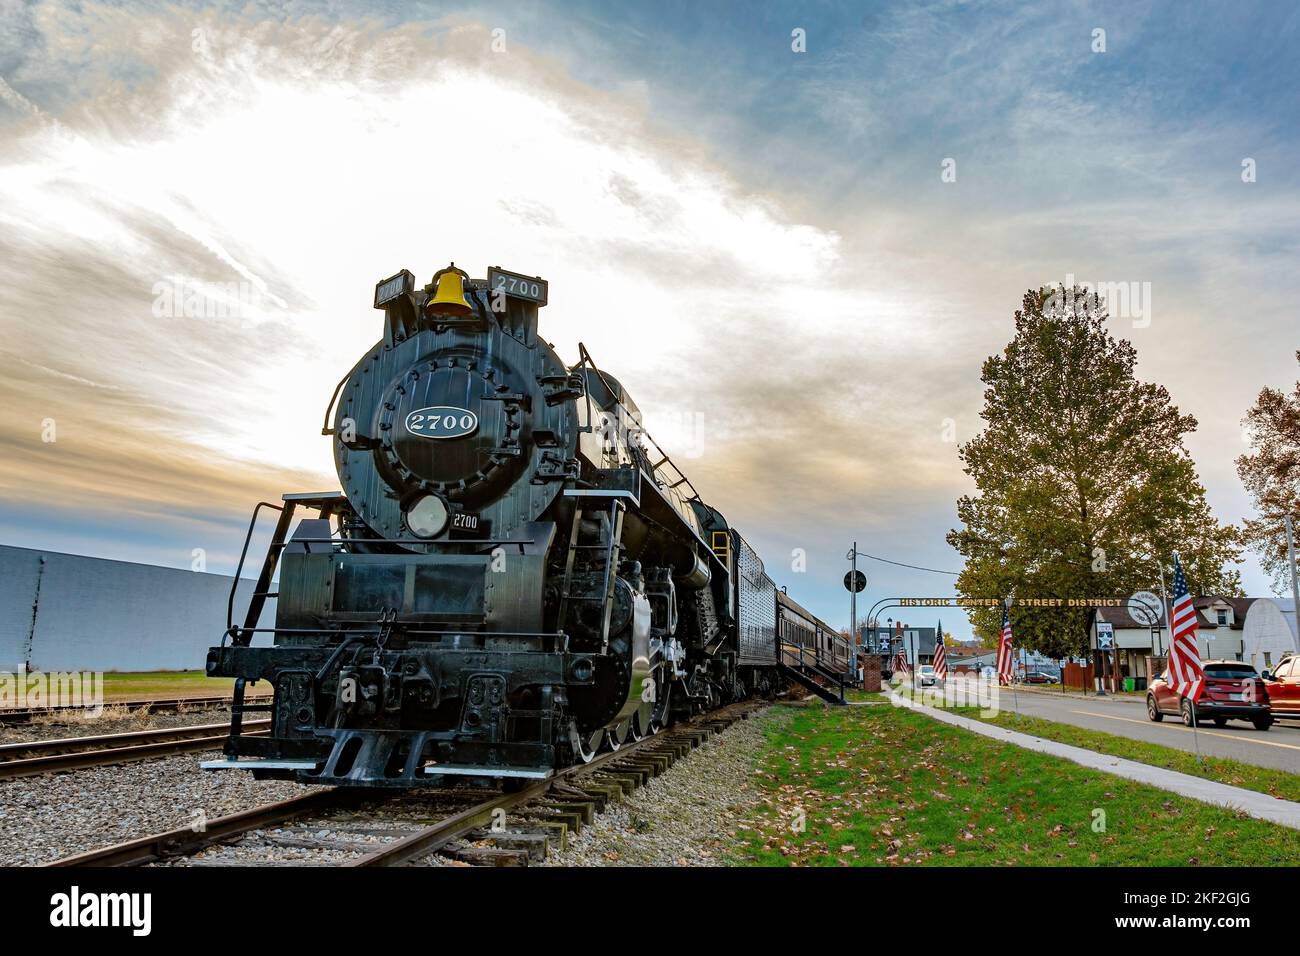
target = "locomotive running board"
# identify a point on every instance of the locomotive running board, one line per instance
(455, 770)
(256, 764)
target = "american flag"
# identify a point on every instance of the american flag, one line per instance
(902, 648)
(1004, 649)
(1185, 674)
(900, 660)
(940, 656)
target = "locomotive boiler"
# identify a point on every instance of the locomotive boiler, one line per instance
(512, 577)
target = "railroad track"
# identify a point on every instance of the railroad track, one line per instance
(371, 828)
(24, 715)
(31, 757)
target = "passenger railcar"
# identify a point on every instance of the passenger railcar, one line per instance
(807, 640)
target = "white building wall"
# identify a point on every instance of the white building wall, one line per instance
(19, 576)
(1270, 629)
(70, 612)
(1220, 644)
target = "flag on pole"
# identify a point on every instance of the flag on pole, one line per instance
(940, 656)
(1004, 649)
(902, 649)
(1185, 674)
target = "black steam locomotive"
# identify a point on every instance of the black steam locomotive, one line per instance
(513, 577)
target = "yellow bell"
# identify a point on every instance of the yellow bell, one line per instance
(449, 296)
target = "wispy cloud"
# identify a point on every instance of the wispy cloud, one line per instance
(760, 246)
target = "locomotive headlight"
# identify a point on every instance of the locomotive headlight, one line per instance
(427, 516)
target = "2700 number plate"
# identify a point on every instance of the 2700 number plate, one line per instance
(530, 289)
(441, 421)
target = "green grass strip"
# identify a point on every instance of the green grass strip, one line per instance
(1276, 783)
(887, 786)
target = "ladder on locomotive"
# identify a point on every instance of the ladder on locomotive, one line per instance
(611, 533)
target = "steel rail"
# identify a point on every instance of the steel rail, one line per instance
(30, 757)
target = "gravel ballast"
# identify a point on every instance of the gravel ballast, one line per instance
(687, 816)
(56, 815)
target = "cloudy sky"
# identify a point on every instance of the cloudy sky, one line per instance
(761, 243)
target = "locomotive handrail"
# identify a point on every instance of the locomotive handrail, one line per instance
(664, 458)
(239, 568)
(584, 358)
(325, 425)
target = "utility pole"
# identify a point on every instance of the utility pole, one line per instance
(853, 614)
(854, 584)
(1290, 560)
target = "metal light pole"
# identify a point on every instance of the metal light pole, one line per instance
(1164, 611)
(1101, 665)
(1290, 556)
(1161, 643)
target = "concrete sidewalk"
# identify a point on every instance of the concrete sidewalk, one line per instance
(1252, 802)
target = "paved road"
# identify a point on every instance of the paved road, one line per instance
(1278, 747)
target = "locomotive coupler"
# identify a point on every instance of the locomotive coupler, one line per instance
(365, 688)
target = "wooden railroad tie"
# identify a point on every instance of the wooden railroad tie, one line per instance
(556, 831)
(485, 855)
(533, 843)
(584, 812)
(626, 782)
